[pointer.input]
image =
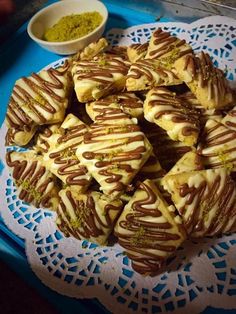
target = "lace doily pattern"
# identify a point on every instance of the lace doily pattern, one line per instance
(200, 274)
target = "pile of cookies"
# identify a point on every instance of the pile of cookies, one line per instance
(138, 142)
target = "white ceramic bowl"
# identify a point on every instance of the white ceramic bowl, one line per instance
(50, 15)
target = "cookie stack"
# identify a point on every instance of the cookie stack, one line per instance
(137, 141)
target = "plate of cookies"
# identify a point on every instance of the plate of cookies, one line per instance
(120, 168)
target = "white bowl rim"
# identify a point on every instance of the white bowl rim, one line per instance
(61, 43)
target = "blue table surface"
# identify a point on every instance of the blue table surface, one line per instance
(20, 56)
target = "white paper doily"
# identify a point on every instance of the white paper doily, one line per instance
(202, 273)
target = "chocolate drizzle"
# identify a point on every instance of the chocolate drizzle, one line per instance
(230, 119)
(129, 103)
(163, 104)
(85, 216)
(74, 173)
(152, 72)
(114, 114)
(140, 48)
(87, 226)
(114, 152)
(15, 116)
(137, 51)
(37, 98)
(204, 114)
(218, 145)
(167, 150)
(102, 72)
(146, 233)
(75, 132)
(201, 68)
(44, 138)
(20, 136)
(163, 43)
(209, 203)
(62, 159)
(35, 183)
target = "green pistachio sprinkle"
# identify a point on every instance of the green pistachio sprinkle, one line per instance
(138, 237)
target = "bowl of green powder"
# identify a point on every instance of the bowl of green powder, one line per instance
(66, 27)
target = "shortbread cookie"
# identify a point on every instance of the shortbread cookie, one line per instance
(90, 51)
(20, 136)
(218, 146)
(205, 199)
(204, 114)
(207, 82)
(131, 104)
(167, 151)
(149, 230)
(61, 159)
(191, 99)
(164, 46)
(190, 161)
(35, 184)
(99, 77)
(127, 102)
(114, 117)
(165, 109)
(137, 52)
(40, 98)
(15, 117)
(88, 216)
(114, 150)
(46, 138)
(145, 74)
(230, 119)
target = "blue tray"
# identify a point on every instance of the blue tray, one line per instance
(20, 56)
